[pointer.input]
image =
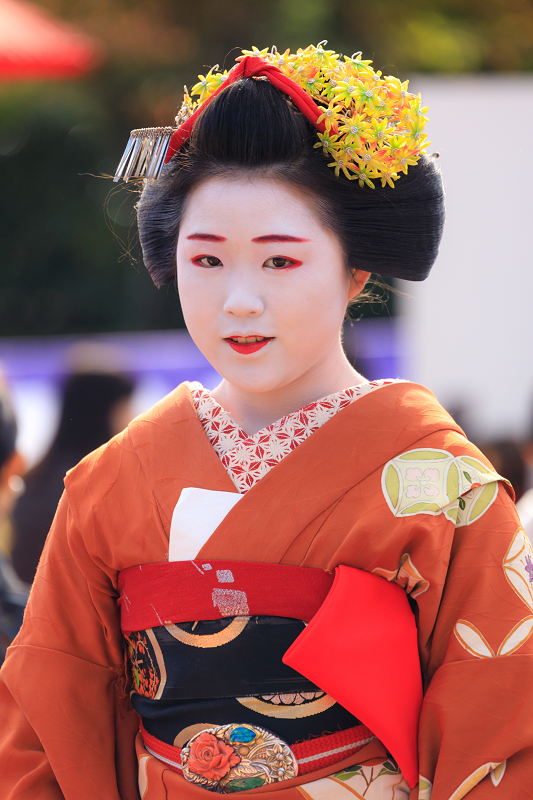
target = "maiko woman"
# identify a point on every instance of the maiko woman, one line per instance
(302, 583)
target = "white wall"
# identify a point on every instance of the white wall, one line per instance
(469, 328)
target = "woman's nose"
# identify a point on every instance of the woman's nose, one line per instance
(243, 301)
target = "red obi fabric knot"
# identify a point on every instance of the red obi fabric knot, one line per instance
(373, 672)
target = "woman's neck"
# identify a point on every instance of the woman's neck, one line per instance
(253, 411)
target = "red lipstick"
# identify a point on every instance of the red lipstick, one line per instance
(246, 348)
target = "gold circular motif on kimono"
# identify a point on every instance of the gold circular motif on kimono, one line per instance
(287, 711)
(230, 632)
(432, 481)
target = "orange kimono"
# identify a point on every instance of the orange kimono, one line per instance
(390, 486)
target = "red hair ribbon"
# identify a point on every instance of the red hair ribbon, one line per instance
(249, 67)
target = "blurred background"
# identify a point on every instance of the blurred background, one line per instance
(77, 75)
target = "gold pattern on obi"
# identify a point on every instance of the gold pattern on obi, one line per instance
(236, 758)
(226, 635)
(305, 704)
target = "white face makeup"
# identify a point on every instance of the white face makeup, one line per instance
(263, 285)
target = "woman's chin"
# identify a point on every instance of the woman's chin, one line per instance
(254, 380)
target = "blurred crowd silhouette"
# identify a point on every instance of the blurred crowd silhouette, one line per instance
(13, 592)
(94, 407)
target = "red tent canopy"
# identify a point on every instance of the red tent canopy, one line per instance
(33, 45)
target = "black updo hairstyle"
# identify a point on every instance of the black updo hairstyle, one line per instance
(251, 127)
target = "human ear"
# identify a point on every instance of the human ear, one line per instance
(357, 282)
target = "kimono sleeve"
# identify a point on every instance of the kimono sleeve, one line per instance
(476, 726)
(67, 726)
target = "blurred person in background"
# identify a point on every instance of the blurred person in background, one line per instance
(514, 461)
(95, 406)
(524, 505)
(13, 592)
(506, 455)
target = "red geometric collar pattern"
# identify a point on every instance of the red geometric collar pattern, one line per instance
(248, 458)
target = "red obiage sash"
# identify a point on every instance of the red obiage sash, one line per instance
(360, 645)
(182, 591)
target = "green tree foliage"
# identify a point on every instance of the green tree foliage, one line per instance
(61, 223)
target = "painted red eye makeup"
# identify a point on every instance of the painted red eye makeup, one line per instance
(208, 261)
(282, 263)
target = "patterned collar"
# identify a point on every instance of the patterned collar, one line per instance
(248, 458)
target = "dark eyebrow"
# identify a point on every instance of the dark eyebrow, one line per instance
(207, 237)
(278, 238)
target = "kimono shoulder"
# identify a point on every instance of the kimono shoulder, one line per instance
(123, 494)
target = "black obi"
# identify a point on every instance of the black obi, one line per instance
(193, 675)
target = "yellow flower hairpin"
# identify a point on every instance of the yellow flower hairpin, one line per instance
(374, 127)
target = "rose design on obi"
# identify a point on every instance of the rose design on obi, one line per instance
(424, 482)
(235, 757)
(211, 757)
